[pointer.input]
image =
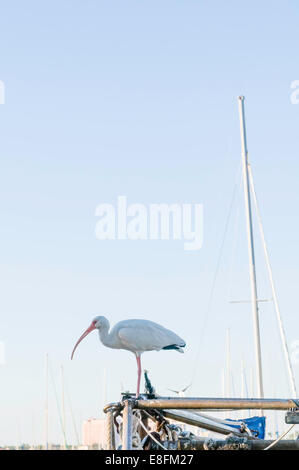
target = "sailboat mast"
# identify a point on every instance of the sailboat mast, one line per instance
(228, 369)
(47, 403)
(254, 299)
(63, 408)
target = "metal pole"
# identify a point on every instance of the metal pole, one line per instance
(228, 372)
(242, 379)
(127, 426)
(105, 386)
(33, 432)
(218, 444)
(63, 408)
(218, 403)
(223, 382)
(254, 297)
(243, 394)
(252, 383)
(46, 405)
(275, 299)
(204, 422)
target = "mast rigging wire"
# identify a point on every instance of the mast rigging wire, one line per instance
(280, 437)
(215, 276)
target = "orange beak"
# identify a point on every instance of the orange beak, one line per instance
(86, 332)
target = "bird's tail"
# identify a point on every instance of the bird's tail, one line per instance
(176, 347)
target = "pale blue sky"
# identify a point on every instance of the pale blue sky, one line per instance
(139, 98)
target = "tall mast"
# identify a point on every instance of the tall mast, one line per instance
(228, 369)
(46, 405)
(242, 380)
(254, 298)
(63, 408)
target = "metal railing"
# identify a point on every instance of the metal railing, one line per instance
(177, 409)
(218, 403)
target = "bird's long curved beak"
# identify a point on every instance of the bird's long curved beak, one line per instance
(86, 332)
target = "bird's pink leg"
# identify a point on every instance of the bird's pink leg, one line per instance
(138, 374)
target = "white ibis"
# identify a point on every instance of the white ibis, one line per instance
(136, 336)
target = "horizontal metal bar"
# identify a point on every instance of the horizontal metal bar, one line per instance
(200, 444)
(217, 403)
(203, 422)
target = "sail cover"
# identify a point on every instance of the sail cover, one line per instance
(256, 424)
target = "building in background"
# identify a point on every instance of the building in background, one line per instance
(93, 433)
